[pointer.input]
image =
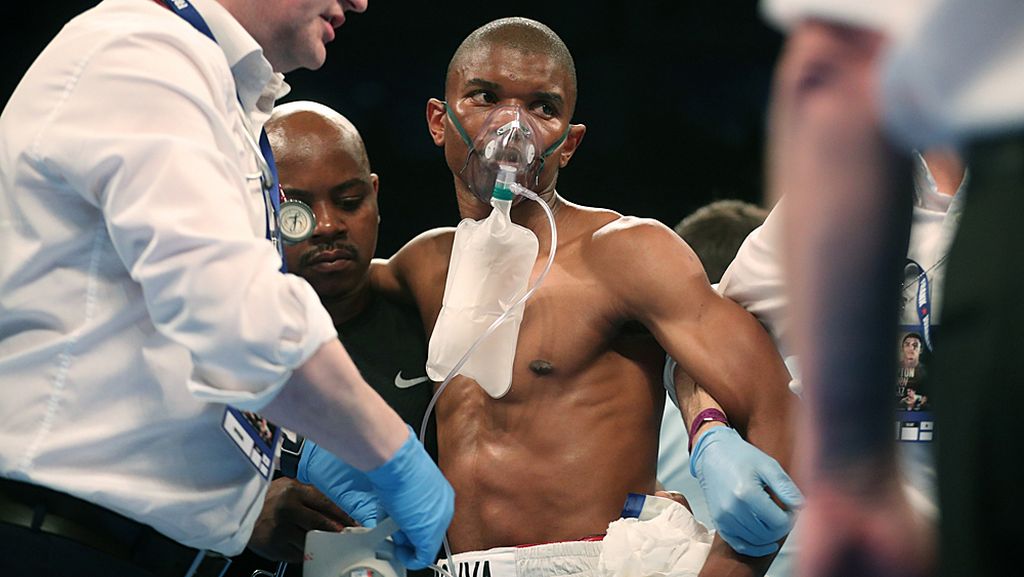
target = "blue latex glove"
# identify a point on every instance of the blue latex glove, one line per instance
(734, 475)
(416, 494)
(347, 486)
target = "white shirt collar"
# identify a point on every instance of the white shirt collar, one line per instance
(257, 84)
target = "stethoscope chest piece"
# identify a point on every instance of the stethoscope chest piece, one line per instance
(296, 220)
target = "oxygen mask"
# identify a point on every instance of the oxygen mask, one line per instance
(508, 145)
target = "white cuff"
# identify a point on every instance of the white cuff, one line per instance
(220, 386)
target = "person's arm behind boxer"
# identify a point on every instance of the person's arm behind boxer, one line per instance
(737, 479)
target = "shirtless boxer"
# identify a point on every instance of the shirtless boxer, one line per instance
(554, 459)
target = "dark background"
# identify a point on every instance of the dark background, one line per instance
(673, 94)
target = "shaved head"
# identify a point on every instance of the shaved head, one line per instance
(322, 163)
(522, 34)
(300, 127)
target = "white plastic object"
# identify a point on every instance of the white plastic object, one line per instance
(354, 552)
(488, 272)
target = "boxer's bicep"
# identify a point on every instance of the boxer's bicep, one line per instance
(753, 373)
(414, 270)
(717, 343)
(730, 356)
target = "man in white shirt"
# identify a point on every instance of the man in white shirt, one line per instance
(756, 280)
(140, 299)
(930, 73)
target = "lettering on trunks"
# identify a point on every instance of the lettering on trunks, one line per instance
(475, 569)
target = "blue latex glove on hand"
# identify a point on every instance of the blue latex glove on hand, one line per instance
(734, 475)
(415, 493)
(347, 486)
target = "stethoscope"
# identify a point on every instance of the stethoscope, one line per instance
(288, 221)
(267, 178)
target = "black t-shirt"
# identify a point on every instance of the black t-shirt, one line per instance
(915, 379)
(387, 343)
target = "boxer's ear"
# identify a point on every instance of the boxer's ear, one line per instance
(572, 142)
(436, 120)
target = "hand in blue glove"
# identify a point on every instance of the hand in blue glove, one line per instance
(347, 486)
(734, 475)
(416, 494)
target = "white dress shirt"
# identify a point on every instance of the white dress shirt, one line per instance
(756, 281)
(894, 17)
(954, 67)
(137, 289)
(958, 76)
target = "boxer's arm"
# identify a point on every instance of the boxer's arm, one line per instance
(660, 281)
(384, 279)
(414, 267)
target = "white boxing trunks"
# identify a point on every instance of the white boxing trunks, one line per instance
(546, 560)
(665, 540)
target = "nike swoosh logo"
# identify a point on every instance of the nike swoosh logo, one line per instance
(402, 383)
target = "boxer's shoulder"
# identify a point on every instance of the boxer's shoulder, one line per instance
(417, 264)
(430, 248)
(628, 241)
(641, 262)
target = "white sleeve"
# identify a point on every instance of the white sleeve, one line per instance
(958, 75)
(756, 280)
(892, 17)
(146, 135)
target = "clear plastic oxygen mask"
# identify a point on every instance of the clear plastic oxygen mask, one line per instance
(506, 144)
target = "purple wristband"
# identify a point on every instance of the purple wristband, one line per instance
(703, 417)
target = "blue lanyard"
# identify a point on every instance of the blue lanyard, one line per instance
(274, 194)
(924, 303)
(188, 12)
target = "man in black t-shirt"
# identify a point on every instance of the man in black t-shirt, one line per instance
(322, 162)
(910, 384)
